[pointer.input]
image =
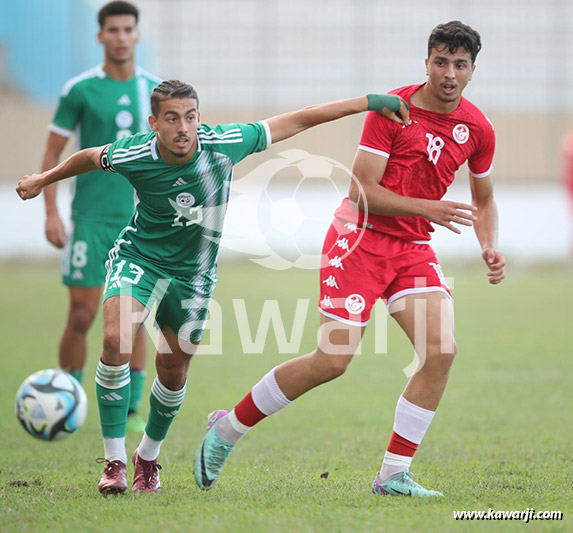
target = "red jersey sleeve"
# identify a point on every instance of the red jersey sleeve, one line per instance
(377, 134)
(480, 162)
(567, 165)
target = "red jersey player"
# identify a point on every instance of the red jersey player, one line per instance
(377, 247)
(567, 167)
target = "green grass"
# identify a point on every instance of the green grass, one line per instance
(501, 438)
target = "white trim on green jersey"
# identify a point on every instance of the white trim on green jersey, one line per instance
(95, 72)
(233, 132)
(267, 132)
(60, 131)
(91, 73)
(135, 148)
(132, 157)
(123, 155)
(154, 154)
(144, 95)
(67, 251)
(212, 137)
(230, 136)
(107, 109)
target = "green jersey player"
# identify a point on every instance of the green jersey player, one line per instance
(168, 252)
(101, 105)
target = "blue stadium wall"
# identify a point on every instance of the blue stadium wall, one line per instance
(46, 42)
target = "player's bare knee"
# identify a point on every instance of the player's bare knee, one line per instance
(117, 347)
(80, 318)
(172, 373)
(110, 345)
(330, 366)
(337, 366)
(440, 355)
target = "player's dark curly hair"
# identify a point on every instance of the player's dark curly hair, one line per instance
(169, 89)
(454, 35)
(116, 8)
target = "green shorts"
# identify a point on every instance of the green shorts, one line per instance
(86, 251)
(182, 302)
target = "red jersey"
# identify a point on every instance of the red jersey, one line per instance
(422, 159)
(567, 150)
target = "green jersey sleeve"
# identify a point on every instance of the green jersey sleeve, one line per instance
(68, 112)
(237, 141)
(128, 154)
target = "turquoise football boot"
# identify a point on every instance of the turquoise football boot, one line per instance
(212, 454)
(402, 484)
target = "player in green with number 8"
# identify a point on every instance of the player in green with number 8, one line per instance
(99, 105)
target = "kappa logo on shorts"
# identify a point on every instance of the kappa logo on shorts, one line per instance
(336, 262)
(343, 243)
(330, 281)
(461, 133)
(355, 304)
(327, 302)
(351, 227)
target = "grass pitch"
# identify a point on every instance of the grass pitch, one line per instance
(501, 438)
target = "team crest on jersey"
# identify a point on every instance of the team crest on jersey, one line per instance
(124, 119)
(355, 304)
(185, 199)
(461, 133)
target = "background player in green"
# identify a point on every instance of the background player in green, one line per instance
(101, 105)
(168, 251)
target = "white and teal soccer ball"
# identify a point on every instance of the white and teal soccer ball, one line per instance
(51, 405)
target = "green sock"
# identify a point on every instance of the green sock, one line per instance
(113, 391)
(137, 382)
(77, 373)
(164, 405)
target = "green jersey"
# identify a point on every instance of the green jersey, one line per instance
(180, 209)
(100, 109)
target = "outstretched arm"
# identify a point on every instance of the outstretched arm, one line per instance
(371, 197)
(78, 163)
(486, 227)
(289, 124)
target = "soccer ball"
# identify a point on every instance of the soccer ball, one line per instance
(51, 405)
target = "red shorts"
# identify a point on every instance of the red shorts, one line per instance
(361, 265)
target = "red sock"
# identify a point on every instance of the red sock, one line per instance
(247, 412)
(400, 446)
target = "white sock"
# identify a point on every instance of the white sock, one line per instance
(393, 464)
(268, 396)
(230, 429)
(410, 422)
(114, 449)
(268, 399)
(148, 448)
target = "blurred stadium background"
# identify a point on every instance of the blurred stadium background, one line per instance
(251, 59)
